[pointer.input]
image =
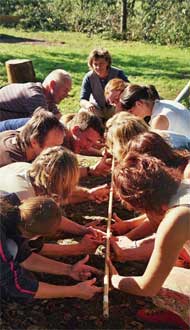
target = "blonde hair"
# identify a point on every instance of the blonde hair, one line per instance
(120, 129)
(115, 84)
(39, 215)
(55, 172)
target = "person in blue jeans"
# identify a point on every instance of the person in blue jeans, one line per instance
(12, 124)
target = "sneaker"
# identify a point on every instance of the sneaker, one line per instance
(161, 316)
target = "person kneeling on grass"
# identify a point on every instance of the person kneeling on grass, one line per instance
(20, 251)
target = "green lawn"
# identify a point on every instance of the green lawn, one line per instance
(167, 67)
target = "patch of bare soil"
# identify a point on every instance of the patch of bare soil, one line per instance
(78, 314)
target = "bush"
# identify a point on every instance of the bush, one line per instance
(156, 21)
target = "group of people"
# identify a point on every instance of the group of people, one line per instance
(149, 137)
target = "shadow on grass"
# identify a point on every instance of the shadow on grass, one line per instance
(150, 67)
(5, 38)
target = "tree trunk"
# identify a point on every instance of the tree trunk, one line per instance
(20, 71)
(124, 18)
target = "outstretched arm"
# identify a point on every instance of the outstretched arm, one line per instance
(78, 271)
(88, 244)
(72, 227)
(171, 236)
(146, 228)
(84, 290)
(121, 227)
(81, 194)
(38, 263)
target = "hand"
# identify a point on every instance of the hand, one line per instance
(103, 166)
(98, 225)
(86, 290)
(90, 242)
(92, 108)
(99, 194)
(97, 233)
(82, 272)
(118, 253)
(120, 227)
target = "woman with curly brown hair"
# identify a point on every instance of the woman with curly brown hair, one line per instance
(146, 184)
(154, 145)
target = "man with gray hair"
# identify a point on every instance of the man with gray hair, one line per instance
(21, 100)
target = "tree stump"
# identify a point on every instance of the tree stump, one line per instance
(20, 71)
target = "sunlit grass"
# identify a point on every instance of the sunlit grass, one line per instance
(167, 67)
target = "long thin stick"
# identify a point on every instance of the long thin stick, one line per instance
(108, 234)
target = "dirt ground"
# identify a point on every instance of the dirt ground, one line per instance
(75, 313)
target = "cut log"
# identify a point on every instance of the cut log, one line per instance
(20, 71)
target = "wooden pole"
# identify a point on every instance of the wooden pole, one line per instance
(20, 71)
(108, 235)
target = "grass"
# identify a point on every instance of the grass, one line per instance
(167, 67)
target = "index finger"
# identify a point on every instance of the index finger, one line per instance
(95, 270)
(98, 289)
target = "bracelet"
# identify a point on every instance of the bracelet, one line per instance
(88, 171)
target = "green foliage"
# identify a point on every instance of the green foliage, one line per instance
(167, 23)
(41, 15)
(8, 7)
(92, 16)
(155, 21)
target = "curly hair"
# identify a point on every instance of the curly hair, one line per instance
(145, 182)
(154, 145)
(55, 172)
